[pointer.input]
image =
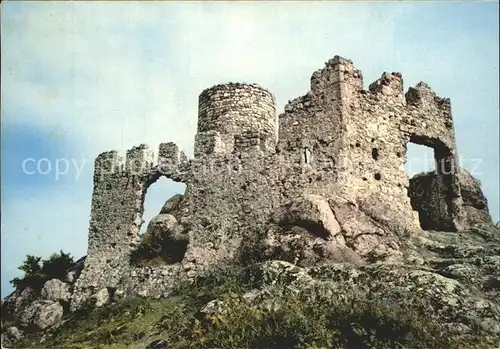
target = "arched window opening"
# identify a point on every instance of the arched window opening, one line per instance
(156, 196)
(163, 240)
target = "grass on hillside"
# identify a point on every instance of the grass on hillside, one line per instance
(298, 323)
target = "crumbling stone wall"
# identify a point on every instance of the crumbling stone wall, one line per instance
(310, 136)
(120, 186)
(340, 144)
(234, 175)
(358, 138)
(116, 217)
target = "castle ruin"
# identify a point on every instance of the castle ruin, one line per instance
(340, 149)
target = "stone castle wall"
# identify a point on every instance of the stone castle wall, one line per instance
(340, 149)
(234, 172)
(120, 186)
(116, 216)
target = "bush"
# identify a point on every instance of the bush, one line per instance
(38, 271)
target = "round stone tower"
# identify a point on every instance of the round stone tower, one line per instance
(236, 117)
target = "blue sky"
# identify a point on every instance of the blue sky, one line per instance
(81, 78)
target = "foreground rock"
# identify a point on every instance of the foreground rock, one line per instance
(450, 278)
(41, 315)
(443, 283)
(11, 336)
(460, 309)
(56, 290)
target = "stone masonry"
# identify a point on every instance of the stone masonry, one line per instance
(339, 150)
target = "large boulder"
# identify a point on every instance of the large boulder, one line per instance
(16, 303)
(297, 245)
(42, 314)
(174, 206)
(165, 225)
(312, 213)
(56, 290)
(316, 230)
(433, 213)
(370, 239)
(165, 239)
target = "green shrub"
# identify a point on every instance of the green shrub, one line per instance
(38, 271)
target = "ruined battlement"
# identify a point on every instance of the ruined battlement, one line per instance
(107, 162)
(138, 161)
(171, 160)
(337, 80)
(388, 84)
(139, 164)
(422, 94)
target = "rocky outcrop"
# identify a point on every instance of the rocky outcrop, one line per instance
(299, 246)
(449, 278)
(41, 315)
(312, 213)
(15, 304)
(427, 200)
(56, 290)
(11, 336)
(32, 310)
(475, 203)
(166, 226)
(446, 279)
(174, 206)
(364, 234)
(472, 258)
(416, 290)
